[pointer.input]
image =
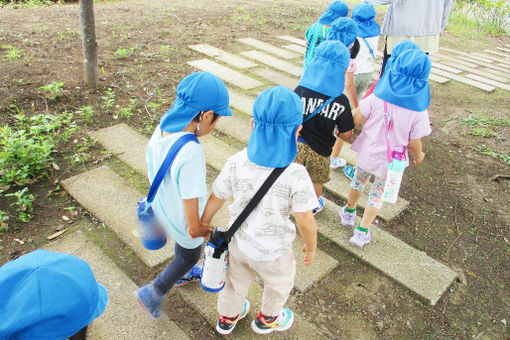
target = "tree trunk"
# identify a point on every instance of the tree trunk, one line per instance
(88, 35)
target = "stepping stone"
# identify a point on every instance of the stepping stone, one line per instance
(489, 81)
(235, 127)
(126, 144)
(205, 303)
(285, 54)
(340, 184)
(122, 316)
(241, 102)
(446, 68)
(438, 79)
(481, 72)
(411, 267)
(456, 61)
(228, 58)
(504, 55)
(296, 48)
(488, 65)
(464, 80)
(227, 74)
(493, 58)
(276, 77)
(507, 50)
(468, 55)
(274, 62)
(293, 40)
(112, 200)
(347, 154)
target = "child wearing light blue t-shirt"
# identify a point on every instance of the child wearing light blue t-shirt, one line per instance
(201, 99)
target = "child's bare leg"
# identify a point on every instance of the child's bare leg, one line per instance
(353, 198)
(335, 153)
(318, 189)
(369, 216)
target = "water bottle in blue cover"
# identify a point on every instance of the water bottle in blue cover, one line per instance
(215, 262)
(153, 234)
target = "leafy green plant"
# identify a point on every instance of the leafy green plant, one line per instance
(482, 125)
(489, 152)
(26, 148)
(123, 53)
(127, 112)
(108, 99)
(488, 15)
(166, 51)
(87, 112)
(153, 106)
(53, 90)
(26, 3)
(24, 202)
(3, 221)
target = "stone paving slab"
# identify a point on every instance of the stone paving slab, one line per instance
(117, 138)
(112, 200)
(507, 50)
(465, 54)
(498, 53)
(411, 267)
(226, 57)
(438, 79)
(205, 304)
(235, 127)
(486, 73)
(294, 40)
(122, 318)
(280, 52)
(276, 77)
(488, 65)
(446, 68)
(274, 62)
(241, 101)
(227, 74)
(441, 57)
(340, 184)
(296, 48)
(464, 80)
(491, 57)
(492, 72)
(489, 81)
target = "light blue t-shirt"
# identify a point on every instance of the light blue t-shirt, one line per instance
(186, 181)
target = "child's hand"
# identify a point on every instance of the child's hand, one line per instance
(309, 256)
(419, 157)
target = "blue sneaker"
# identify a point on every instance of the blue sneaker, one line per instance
(226, 325)
(193, 275)
(281, 322)
(349, 171)
(149, 300)
(320, 207)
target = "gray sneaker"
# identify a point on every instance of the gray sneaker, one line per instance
(359, 238)
(347, 217)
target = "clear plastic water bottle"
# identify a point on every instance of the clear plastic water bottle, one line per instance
(215, 262)
(394, 176)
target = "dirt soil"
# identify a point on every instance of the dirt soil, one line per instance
(459, 208)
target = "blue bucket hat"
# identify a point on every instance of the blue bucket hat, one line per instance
(336, 9)
(405, 83)
(324, 72)
(200, 91)
(344, 30)
(277, 113)
(400, 47)
(47, 295)
(364, 14)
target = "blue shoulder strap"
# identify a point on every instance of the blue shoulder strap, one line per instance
(169, 159)
(319, 109)
(369, 48)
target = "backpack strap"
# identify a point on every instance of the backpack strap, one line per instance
(369, 48)
(169, 159)
(319, 109)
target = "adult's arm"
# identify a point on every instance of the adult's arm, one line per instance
(446, 13)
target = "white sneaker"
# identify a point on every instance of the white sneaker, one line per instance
(347, 217)
(337, 162)
(359, 238)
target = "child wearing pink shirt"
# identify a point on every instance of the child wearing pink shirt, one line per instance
(406, 91)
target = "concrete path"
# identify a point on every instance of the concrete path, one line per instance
(417, 271)
(123, 318)
(279, 52)
(226, 57)
(227, 74)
